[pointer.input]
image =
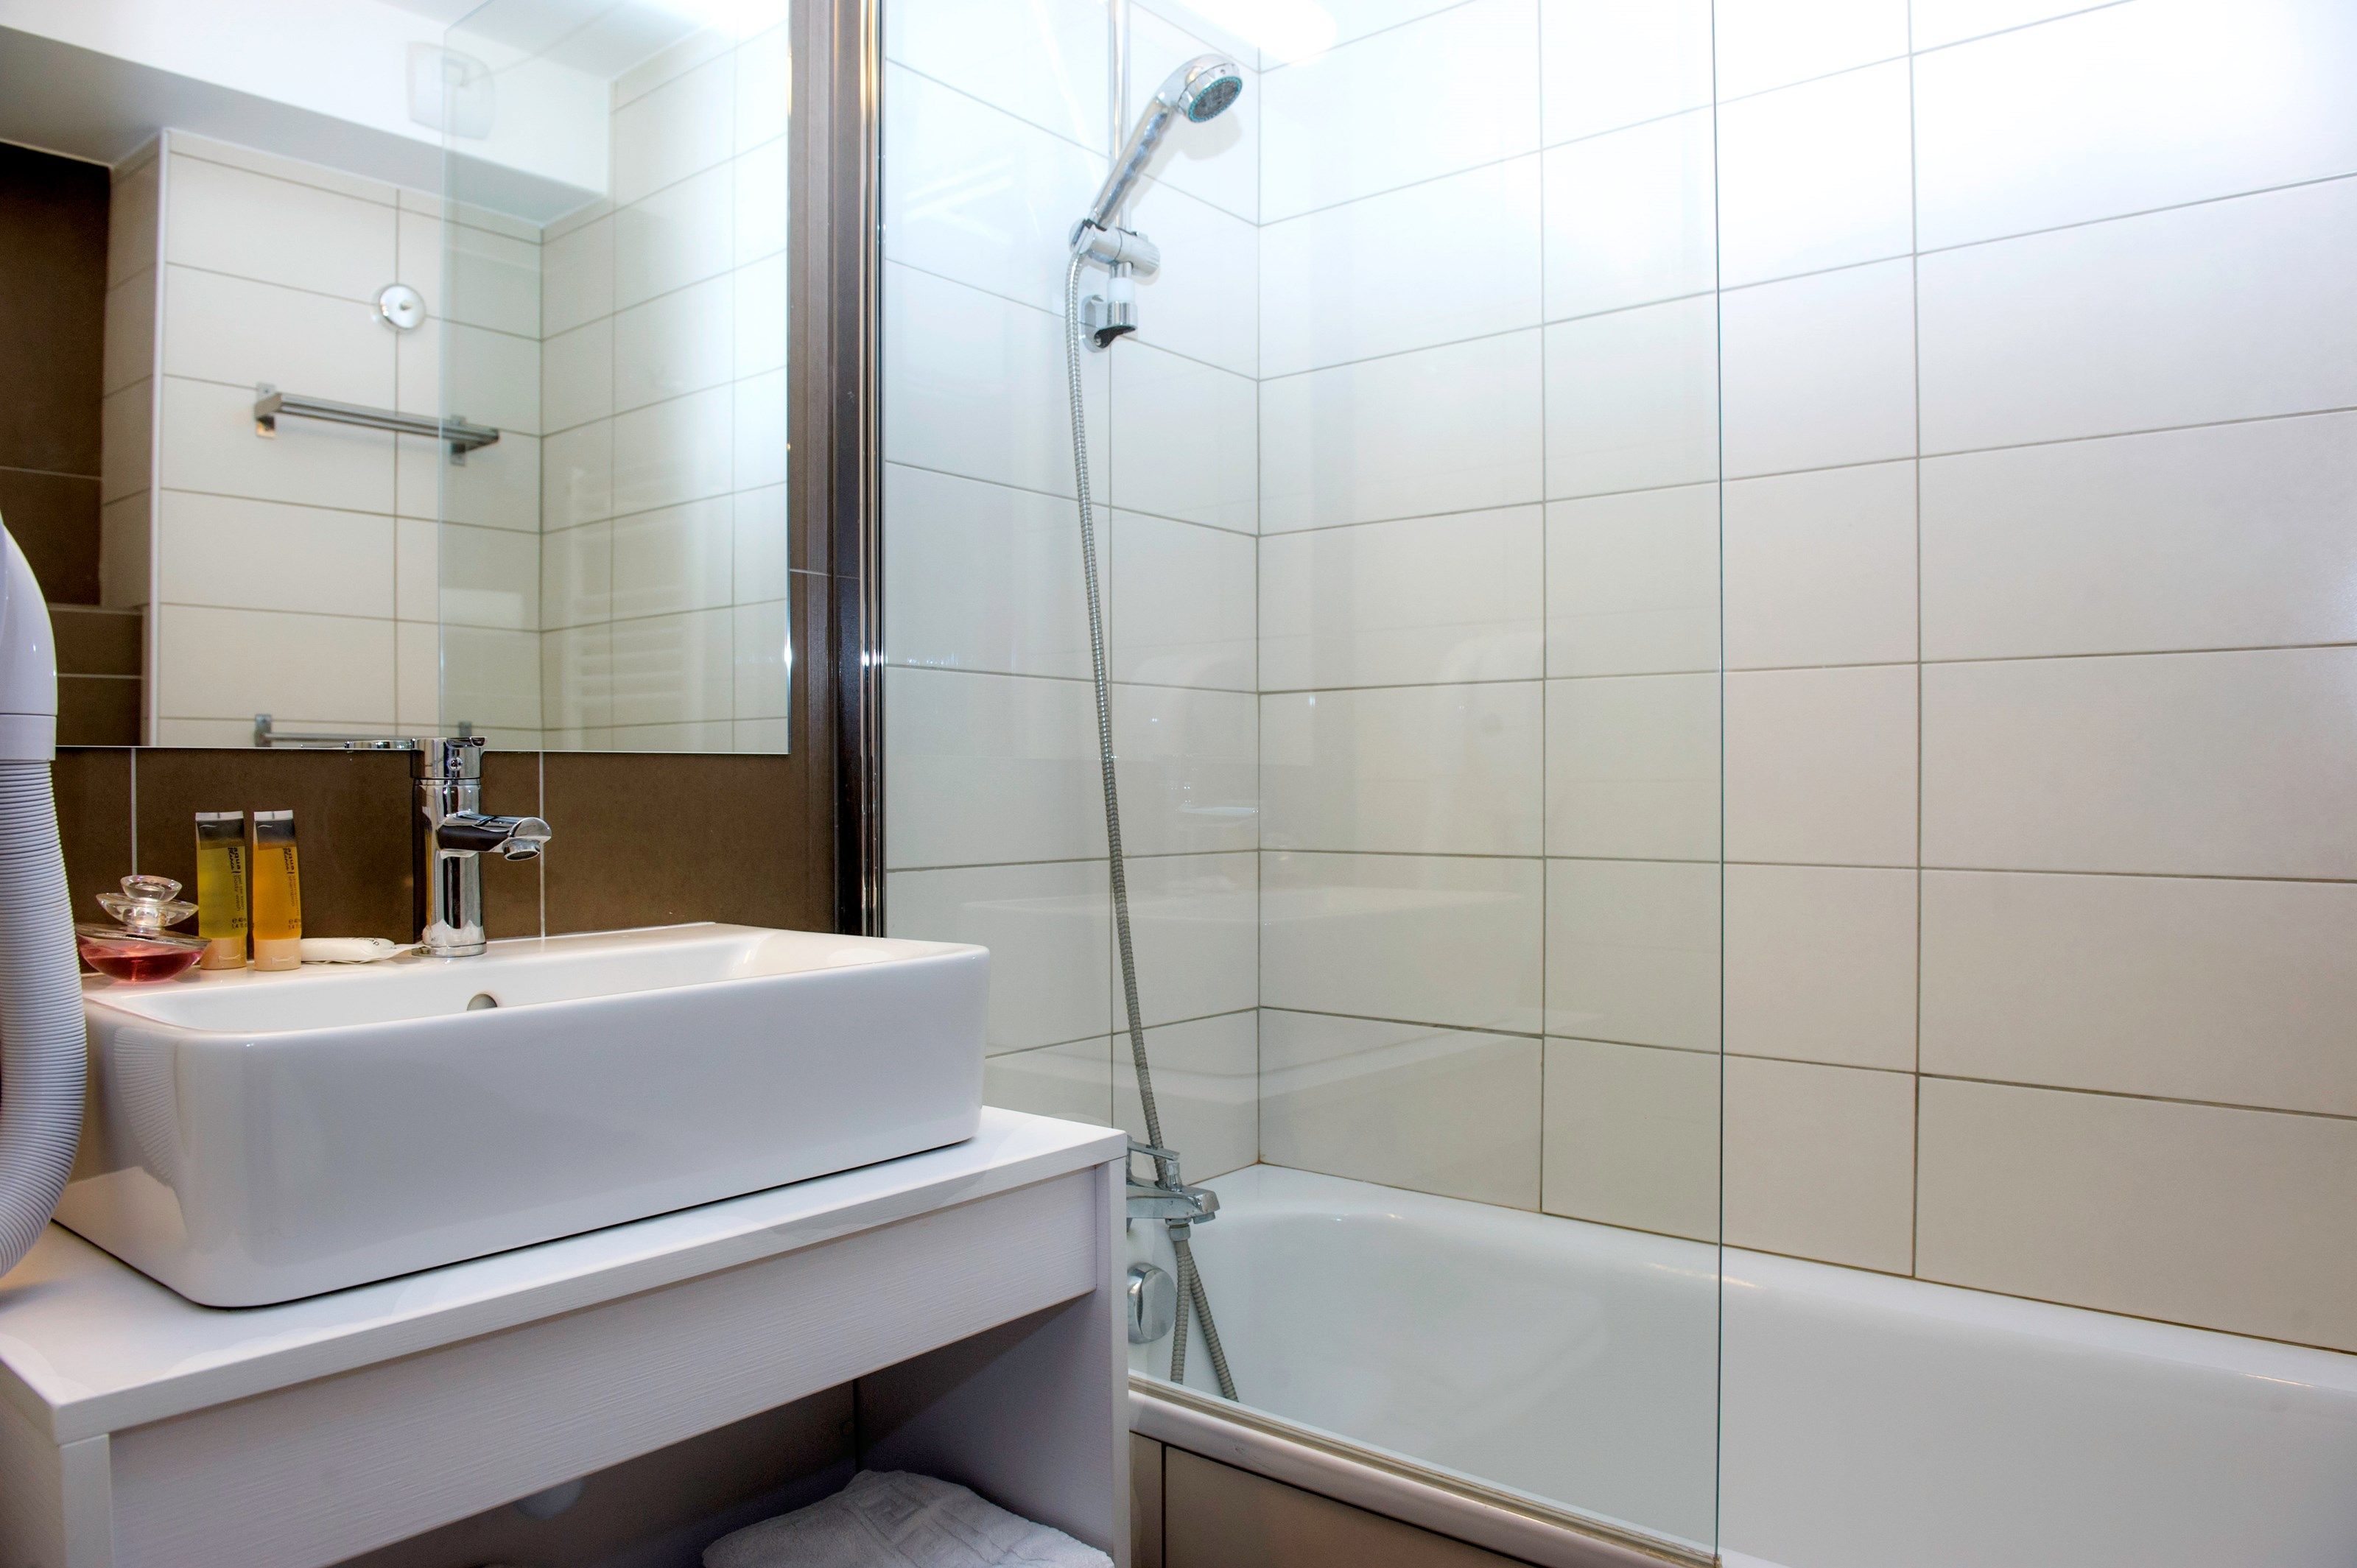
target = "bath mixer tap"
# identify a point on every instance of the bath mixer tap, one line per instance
(450, 836)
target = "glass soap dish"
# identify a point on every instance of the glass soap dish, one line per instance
(137, 947)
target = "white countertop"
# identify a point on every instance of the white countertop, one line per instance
(89, 1345)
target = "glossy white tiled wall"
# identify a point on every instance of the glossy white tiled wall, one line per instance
(995, 124)
(2038, 348)
(664, 581)
(2030, 374)
(307, 577)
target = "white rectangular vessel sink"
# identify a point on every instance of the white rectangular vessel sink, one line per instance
(253, 1138)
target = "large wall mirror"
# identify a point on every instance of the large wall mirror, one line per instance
(444, 381)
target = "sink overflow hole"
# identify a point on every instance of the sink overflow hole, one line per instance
(480, 1000)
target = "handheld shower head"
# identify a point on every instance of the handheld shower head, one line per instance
(1202, 89)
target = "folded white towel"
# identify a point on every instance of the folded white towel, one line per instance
(892, 1518)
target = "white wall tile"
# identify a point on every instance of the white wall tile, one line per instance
(764, 548)
(2203, 764)
(1183, 602)
(1821, 964)
(578, 475)
(577, 575)
(1442, 1110)
(488, 577)
(1206, 1091)
(577, 376)
(761, 182)
(1820, 567)
(1203, 303)
(1449, 429)
(1218, 161)
(680, 234)
(1452, 258)
(1048, 929)
(762, 291)
(1633, 952)
(1633, 400)
(319, 176)
(2231, 1219)
(673, 452)
(417, 570)
(1044, 61)
(2122, 326)
(1332, 130)
(472, 275)
(1195, 934)
(416, 675)
(245, 555)
(1821, 765)
(1184, 440)
(1188, 769)
(1633, 767)
(1940, 22)
(126, 427)
(133, 216)
(764, 675)
(1634, 582)
(676, 344)
(233, 664)
(1763, 44)
(1439, 939)
(1435, 598)
(1404, 770)
(673, 559)
(491, 378)
(491, 679)
(1820, 371)
(1821, 1162)
(1073, 1081)
(2229, 536)
(973, 193)
(2128, 108)
(235, 330)
(1608, 63)
(1819, 175)
(680, 128)
(674, 669)
(577, 679)
(577, 279)
(208, 443)
(1630, 217)
(989, 768)
(128, 344)
(233, 220)
(1632, 1136)
(2192, 989)
(984, 577)
(976, 385)
(757, 409)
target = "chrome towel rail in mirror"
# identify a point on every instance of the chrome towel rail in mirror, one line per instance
(269, 404)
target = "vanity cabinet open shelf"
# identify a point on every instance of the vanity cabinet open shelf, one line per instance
(969, 1290)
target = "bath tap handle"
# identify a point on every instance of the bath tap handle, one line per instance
(514, 838)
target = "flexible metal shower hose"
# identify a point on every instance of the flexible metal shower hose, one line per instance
(1191, 1293)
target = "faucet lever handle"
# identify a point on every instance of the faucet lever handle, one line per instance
(514, 838)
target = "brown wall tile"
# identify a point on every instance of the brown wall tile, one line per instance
(352, 820)
(1215, 1516)
(97, 710)
(649, 840)
(512, 887)
(93, 641)
(52, 311)
(54, 520)
(93, 790)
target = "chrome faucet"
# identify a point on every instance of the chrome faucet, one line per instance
(451, 836)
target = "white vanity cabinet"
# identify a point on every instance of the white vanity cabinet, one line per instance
(971, 1290)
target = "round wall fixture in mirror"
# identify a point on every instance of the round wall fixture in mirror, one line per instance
(401, 307)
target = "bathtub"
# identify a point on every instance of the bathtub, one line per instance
(1868, 1421)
